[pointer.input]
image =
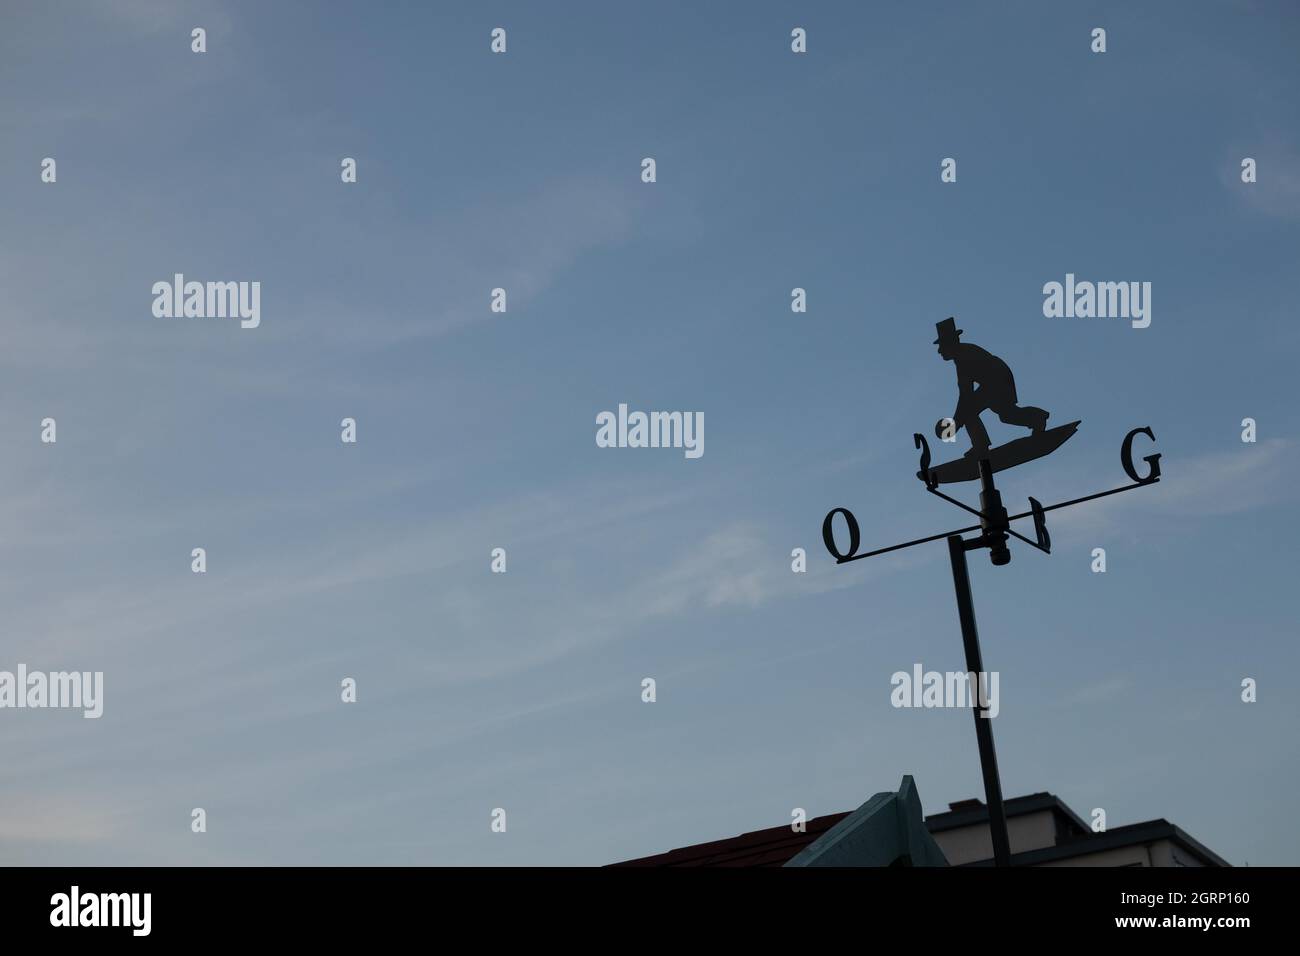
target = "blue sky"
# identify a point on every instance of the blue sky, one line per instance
(476, 430)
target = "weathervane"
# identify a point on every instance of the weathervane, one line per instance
(984, 382)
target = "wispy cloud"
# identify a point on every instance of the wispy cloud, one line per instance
(1097, 691)
(1235, 481)
(520, 244)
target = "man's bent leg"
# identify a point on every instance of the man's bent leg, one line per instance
(968, 417)
(1026, 416)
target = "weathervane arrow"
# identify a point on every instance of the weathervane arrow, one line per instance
(985, 383)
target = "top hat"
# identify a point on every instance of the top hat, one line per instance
(947, 330)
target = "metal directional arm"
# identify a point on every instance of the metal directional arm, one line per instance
(841, 558)
(1079, 501)
(905, 544)
(960, 504)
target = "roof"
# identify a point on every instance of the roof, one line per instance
(771, 847)
(1134, 834)
(967, 813)
(776, 846)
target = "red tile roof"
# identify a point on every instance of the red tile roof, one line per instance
(771, 847)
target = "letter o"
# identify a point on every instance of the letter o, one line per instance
(828, 534)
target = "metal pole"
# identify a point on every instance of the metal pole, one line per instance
(983, 725)
(994, 521)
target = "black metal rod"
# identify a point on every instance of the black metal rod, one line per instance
(905, 544)
(983, 725)
(1016, 534)
(960, 504)
(1076, 501)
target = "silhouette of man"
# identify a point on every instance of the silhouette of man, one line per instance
(983, 381)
